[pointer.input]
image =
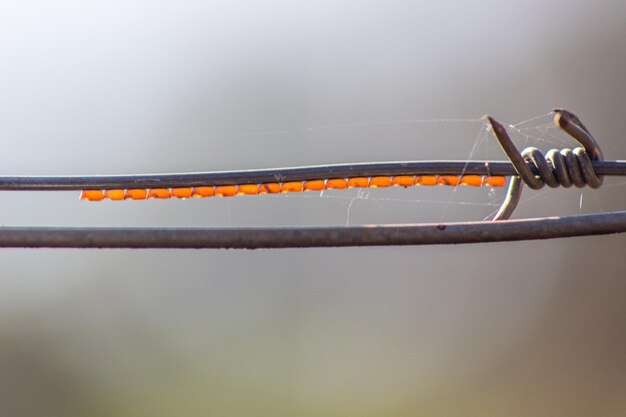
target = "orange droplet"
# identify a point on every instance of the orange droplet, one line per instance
(403, 181)
(181, 192)
(92, 195)
(248, 189)
(494, 181)
(358, 182)
(472, 180)
(199, 192)
(136, 194)
(448, 180)
(314, 185)
(291, 187)
(379, 182)
(426, 180)
(159, 193)
(115, 194)
(226, 190)
(338, 183)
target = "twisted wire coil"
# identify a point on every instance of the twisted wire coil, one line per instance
(561, 168)
(565, 167)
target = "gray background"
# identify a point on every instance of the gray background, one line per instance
(522, 329)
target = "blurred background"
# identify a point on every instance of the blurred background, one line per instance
(106, 87)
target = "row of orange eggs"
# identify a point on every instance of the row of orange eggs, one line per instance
(293, 186)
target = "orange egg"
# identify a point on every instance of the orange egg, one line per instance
(159, 193)
(248, 189)
(269, 188)
(338, 183)
(426, 180)
(136, 194)
(199, 192)
(358, 182)
(92, 195)
(314, 185)
(448, 180)
(291, 187)
(380, 182)
(115, 194)
(494, 181)
(403, 181)
(226, 190)
(472, 180)
(181, 192)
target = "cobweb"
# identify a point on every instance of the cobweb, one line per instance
(388, 140)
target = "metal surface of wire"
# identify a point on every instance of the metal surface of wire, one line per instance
(565, 167)
(74, 182)
(310, 237)
(582, 166)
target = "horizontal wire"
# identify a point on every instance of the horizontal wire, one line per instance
(309, 237)
(76, 182)
(301, 237)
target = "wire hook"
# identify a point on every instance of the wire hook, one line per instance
(556, 168)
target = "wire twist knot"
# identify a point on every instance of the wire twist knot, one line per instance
(565, 167)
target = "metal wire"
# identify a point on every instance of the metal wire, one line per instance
(309, 237)
(583, 166)
(496, 168)
(564, 167)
